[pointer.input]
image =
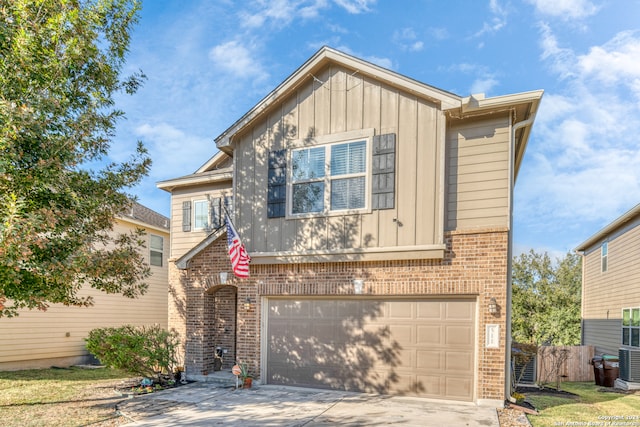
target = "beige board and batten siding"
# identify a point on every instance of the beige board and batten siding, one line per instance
(478, 174)
(39, 339)
(605, 294)
(336, 104)
(183, 241)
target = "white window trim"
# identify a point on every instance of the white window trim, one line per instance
(604, 258)
(155, 250)
(630, 327)
(196, 201)
(327, 141)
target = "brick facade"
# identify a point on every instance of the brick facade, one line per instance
(201, 308)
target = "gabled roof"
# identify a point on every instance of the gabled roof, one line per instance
(630, 215)
(142, 214)
(326, 55)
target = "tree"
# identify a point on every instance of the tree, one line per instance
(60, 68)
(546, 299)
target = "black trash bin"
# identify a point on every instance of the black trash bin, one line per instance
(611, 368)
(598, 369)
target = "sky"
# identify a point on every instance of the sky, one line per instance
(209, 62)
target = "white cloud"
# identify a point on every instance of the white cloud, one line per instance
(407, 39)
(584, 146)
(279, 13)
(497, 21)
(483, 85)
(439, 33)
(615, 62)
(237, 59)
(565, 9)
(356, 6)
(562, 59)
(173, 148)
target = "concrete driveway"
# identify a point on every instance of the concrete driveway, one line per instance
(199, 404)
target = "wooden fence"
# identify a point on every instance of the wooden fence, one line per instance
(572, 363)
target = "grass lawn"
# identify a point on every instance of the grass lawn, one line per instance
(590, 407)
(60, 397)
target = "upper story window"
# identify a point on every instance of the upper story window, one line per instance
(156, 249)
(631, 327)
(331, 177)
(341, 174)
(604, 252)
(200, 214)
(205, 214)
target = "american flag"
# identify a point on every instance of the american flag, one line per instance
(237, 253)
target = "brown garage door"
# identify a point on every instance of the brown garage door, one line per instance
(424, 348)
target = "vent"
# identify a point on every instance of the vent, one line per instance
(629, 364)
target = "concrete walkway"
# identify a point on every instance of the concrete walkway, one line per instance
(201, 404)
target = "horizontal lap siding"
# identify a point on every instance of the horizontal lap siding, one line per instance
(605, 335)
(607, 293)
(478, 174)
(35, 335)
(181, 241)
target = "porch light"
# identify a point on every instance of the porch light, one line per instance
(247, 303)
(223, 277)
(493, 306)
(357, 286)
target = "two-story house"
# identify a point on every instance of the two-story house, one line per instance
(611, 292)
(377, 213)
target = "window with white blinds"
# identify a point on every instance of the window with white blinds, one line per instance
(331, 177)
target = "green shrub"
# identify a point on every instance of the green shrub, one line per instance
(148, 351)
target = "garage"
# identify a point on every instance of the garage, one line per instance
(393, 346)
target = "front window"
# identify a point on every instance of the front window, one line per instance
(200, 214)
(329, 178)
(631, 327)
(604, 252)
(156, 246)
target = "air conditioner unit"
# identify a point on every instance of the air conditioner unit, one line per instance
(629, 364)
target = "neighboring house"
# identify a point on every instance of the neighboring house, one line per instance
(611, 286)
(377, 213)
(56, 337)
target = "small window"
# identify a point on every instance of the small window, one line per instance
(604, 251)
(156, 246)
(200, 214)
(631, 327)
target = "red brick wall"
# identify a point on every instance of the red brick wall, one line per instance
(475, 264)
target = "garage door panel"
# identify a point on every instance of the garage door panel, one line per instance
(380, 346)
(403, 333)
(460, 388)
(429, 335)
(459, 362)
(399, 310)
(459, 311)
(324, 309)
(429, 360)
(461, 335)
(428, 386)
(429, 310)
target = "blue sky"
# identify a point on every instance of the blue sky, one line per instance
(209, 62)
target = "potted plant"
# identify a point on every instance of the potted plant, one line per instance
(245, 376)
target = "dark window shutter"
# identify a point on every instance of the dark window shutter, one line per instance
(228, 206)
(277, 184)
(216, 213)
(383, 185)
(186, 216)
